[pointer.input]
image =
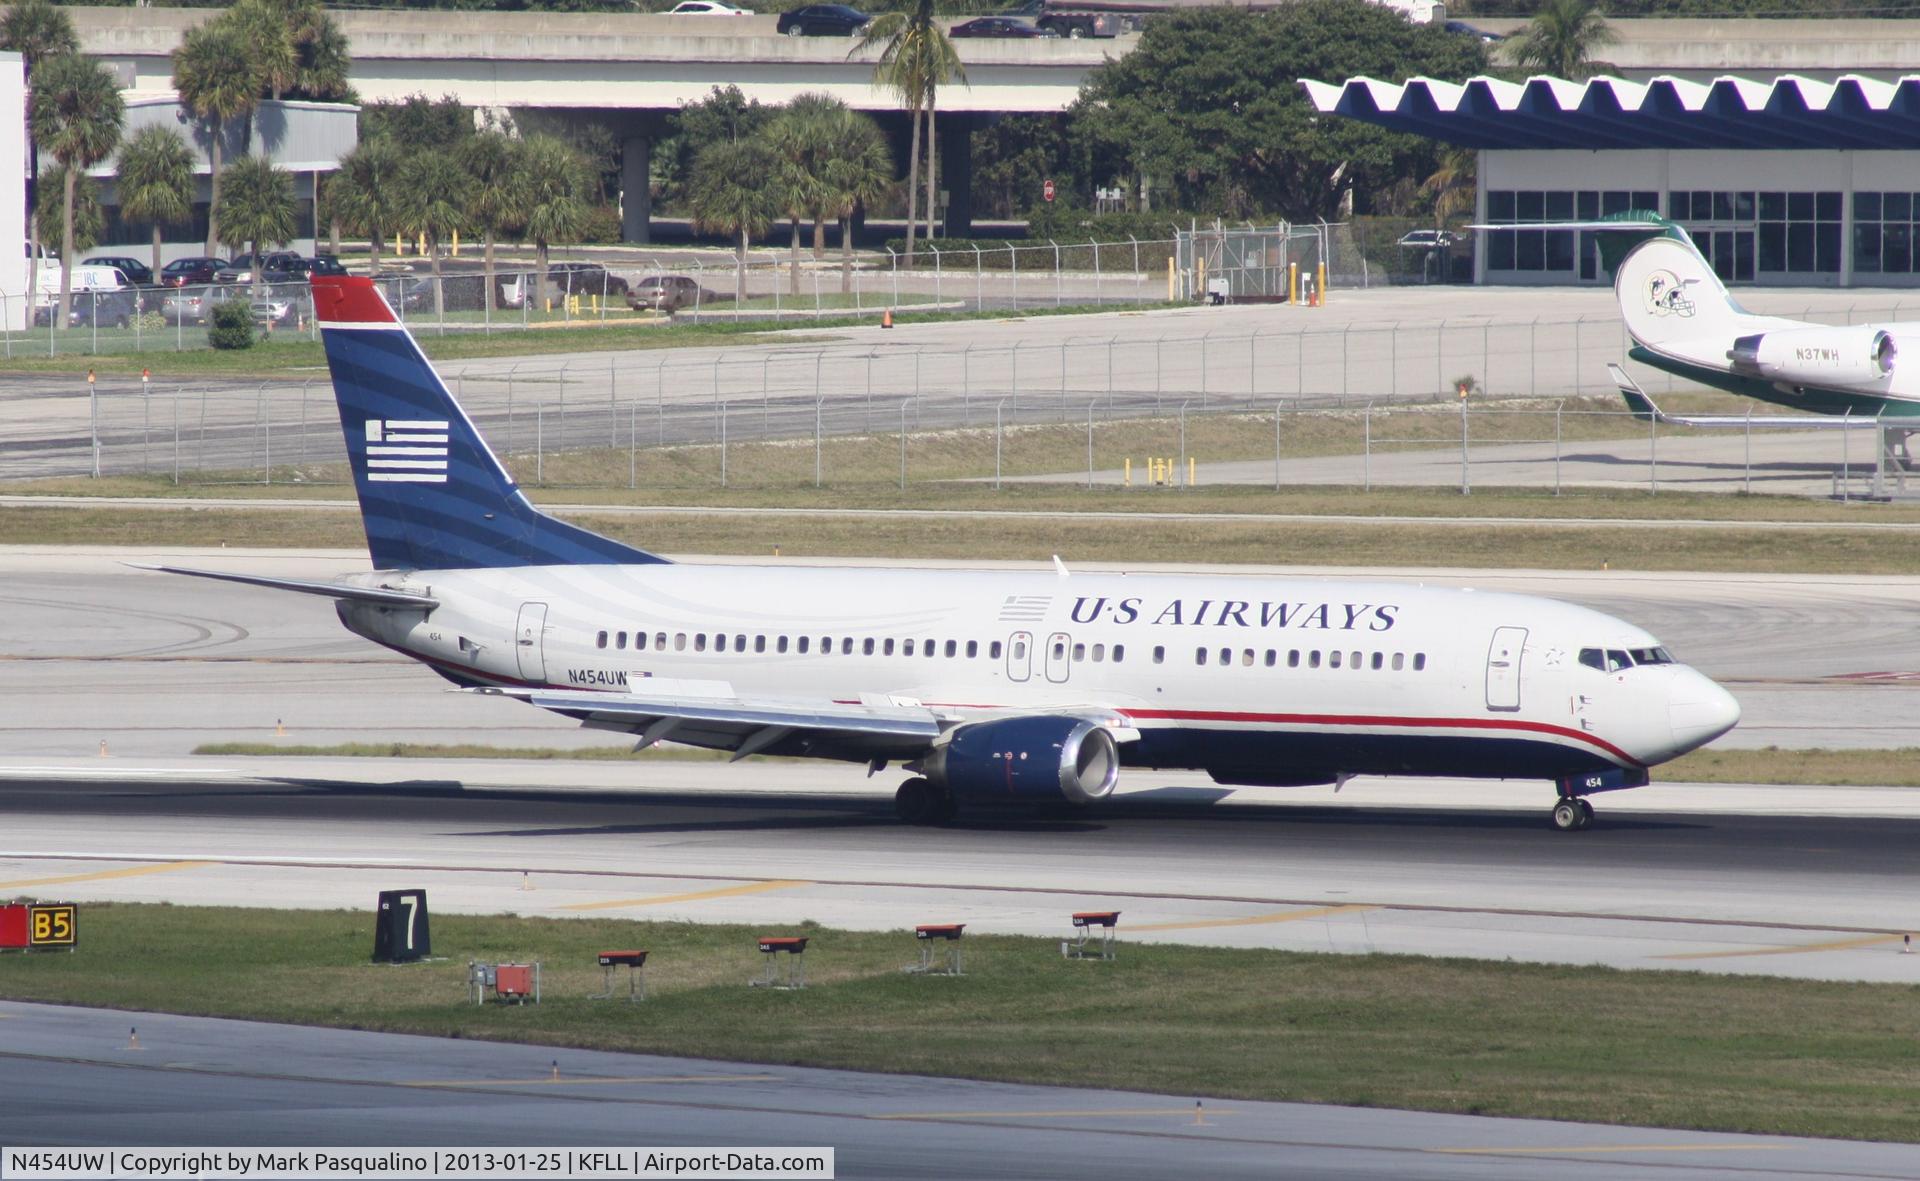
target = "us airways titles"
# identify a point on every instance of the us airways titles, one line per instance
(1372, 617)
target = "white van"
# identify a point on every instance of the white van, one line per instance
(86, 277)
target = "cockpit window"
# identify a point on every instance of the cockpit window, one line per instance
(1617, 659)
(1652, 656)
(1593, 658)
(1612, 660)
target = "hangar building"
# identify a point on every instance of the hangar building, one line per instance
(1790, 182)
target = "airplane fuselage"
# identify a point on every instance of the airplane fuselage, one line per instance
(1257, 680)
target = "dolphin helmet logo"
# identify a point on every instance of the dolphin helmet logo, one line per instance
(1666, 295)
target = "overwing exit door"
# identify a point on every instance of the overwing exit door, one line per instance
(1503, 667)
(530, 642)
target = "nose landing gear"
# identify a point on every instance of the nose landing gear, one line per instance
(1572, 814)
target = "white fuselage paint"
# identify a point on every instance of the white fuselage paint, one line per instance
(1539, 692)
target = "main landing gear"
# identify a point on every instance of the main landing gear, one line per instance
(1572, 814)
(919, 802)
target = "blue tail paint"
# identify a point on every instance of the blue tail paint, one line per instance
(432, 495)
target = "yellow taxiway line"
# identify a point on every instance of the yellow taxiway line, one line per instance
(695, 896)
(105, 874)
(1791, 949)
(1284, 916)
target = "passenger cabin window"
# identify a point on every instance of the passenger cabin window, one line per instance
(1313, 658)
(1293, 658)
(1419, 661)
(906, 648)
(993, 650)
(1399, 658)
(866, 646)
(639, 641)
(601, 642)
(801, 644)
(1333, 659)
(973, 649)
(1159, 654)
(659, 639)
(780, 644)
(1119, 653)
(759, 643)
(951, 647)
(679, 641)
(620, 639)
(1079, 653)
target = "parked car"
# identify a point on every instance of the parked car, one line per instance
(999, 26)
(823, 20)
(187, 272)
(1462, 28)
(563, 279)
(325, 264)
(668, 293)
(707, 8)
(275, 310)
(1068, 24)
(189, 305)
(1428, 239)
(96, 309)
(405, 290)
(138, 273)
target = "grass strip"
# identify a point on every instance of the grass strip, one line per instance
(1719, 548)
(1669, 1049)
(1816, 766)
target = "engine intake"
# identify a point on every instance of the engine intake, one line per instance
(1027, 760)
(1816, 356)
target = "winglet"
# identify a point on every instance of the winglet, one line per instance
(1638, 402)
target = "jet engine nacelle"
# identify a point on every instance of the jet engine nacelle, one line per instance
(1816, 356)
(1027, 760)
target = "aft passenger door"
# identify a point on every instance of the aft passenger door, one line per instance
(530, 642)
(1503, 667)
(1059, 657)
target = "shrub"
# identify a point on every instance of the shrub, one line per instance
(231, 325)
(602, 226)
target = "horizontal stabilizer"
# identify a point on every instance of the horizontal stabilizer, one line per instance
(1646, 410)
(331, 590)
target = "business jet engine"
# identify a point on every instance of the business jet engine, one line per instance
(1859, 355)
(1027, 760)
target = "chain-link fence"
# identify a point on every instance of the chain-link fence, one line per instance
(779, 286)
(1337, 403)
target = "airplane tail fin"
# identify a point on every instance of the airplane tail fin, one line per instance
(432, 495)
(1669, 294)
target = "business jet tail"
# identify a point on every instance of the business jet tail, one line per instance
(1673, 303)
(432, 495)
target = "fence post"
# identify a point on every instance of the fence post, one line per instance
(1653, 454)
(999, 441)
(1183, 438)
(1276, 446)
(936, 272)
(1056, 271)
(1013, 264)
(979, 282)
(1253, 381)
(904, 403)
(540, 442)
(93, 420)
(1557, 408)
(895, 259)
(723, 438)
(1366, 447)
(633, 445)
(1095, 247)
(1090, 406)
(816, 438)
(1466, 487)
(966, 385)
(176, 436)
(1746, 467)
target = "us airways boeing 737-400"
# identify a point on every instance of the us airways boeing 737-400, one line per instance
(987, 687)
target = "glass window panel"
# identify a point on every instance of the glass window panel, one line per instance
(1530, 206)
(1648, 201)
(1866, 207)
(1799, 206)
(1618, 201)
(1530, 251)
(1587, 205)
(1773, 207)
(1589, 257)
(1702, 205)
(1773, 246)
(1897, 249)
(1723, 207)
(1559, 250)
(1723, 254)
(1743, 207)
(1866, 248)
(1896, 206)
(1827, 206)
(1800, 246)
(1826, 248)
(1500, 205)
(1743, 256)
(1559, 206)
(1500, 251)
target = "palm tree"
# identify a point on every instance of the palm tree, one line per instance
(156, 181)
(556, 200)
(817, 116)
(433, 189)
(859, 171)
(88, 218)
(497, 191)
(364, 193)
(256, 207)
(796, 141)
(916, 56)
(1452, 183)
(730, 194)
(322, 50)
(37, 31)
(76, 113)
(1561, 39)
(216, 80)
(267, 28)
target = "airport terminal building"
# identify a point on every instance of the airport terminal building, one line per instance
(1790, 182)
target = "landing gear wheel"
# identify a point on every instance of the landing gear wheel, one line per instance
(916, 802)
(1586, 814)
(1567, 815)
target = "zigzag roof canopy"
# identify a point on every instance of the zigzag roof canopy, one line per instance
(1615, 113)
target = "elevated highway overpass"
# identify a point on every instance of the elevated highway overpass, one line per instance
(630, 69)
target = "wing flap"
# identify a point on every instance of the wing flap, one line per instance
(745, 725)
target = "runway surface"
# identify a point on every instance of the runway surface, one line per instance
(70, 1078)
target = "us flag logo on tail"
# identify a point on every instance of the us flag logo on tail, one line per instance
(406, 451)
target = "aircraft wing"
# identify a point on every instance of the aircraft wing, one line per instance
(708, 714)
(1644, 409)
